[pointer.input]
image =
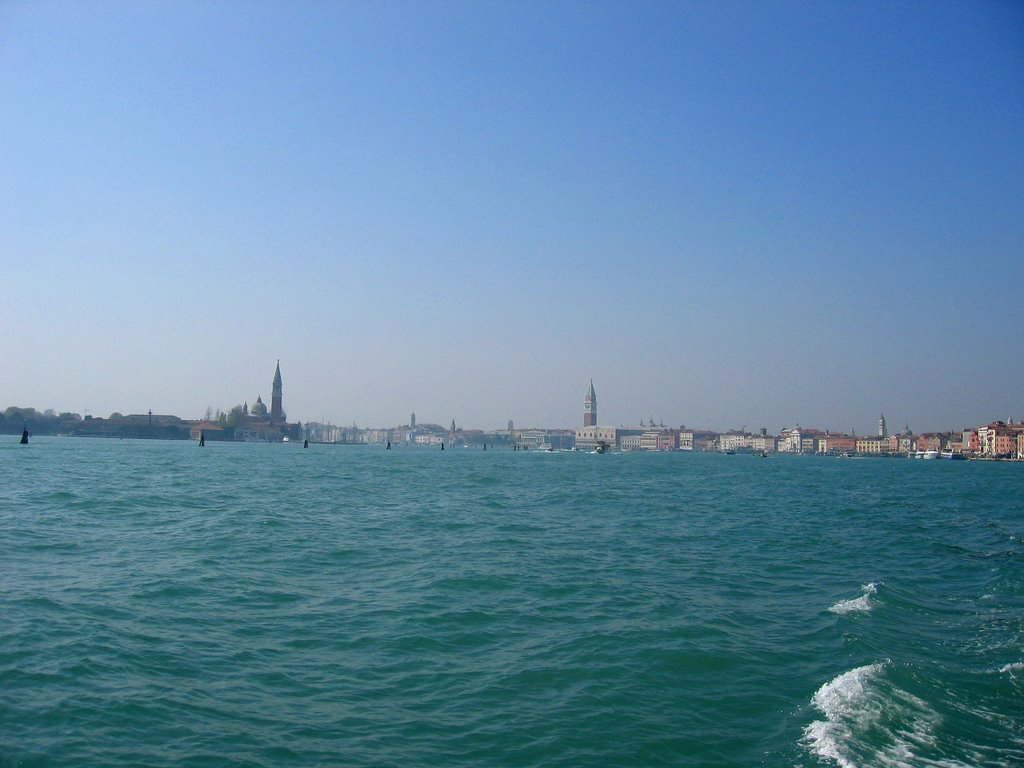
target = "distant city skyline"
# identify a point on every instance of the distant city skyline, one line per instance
(276, 416)
(733, 214)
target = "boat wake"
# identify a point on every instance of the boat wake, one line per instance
(868, 720)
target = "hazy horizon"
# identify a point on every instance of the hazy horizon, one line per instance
(756, 214)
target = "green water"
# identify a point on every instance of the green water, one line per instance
(266, 605)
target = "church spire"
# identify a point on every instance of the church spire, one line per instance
(276, 409)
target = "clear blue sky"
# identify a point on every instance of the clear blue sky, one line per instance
(725, 213)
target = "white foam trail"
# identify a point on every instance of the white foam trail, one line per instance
(860, 604)
(861, 714)
(1017, 666)
(842, 702)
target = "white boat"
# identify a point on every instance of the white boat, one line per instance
(926, 454)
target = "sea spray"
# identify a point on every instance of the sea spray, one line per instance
(860, 604)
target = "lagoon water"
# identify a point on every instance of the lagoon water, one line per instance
(265, 605)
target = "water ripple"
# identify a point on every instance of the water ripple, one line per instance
(260, 605)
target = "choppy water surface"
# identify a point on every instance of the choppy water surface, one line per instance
(266, 605)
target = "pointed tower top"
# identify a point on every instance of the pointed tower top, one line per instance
(276, 408)
(590, 407)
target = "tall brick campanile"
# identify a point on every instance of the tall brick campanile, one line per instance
(590, 407)
(276, 411)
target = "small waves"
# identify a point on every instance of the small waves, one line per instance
(860, 604)
(250, 604)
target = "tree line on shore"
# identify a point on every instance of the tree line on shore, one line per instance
(15, 419)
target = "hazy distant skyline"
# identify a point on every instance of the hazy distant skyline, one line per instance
(724, 213)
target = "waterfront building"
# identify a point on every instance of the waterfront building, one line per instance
(801, 440)
(736, 440)
(685, 439)
(973, 442)
(835, 442)
(211, 430)
(1000, 440)
(1004, 443)
(648, 440)
(697, 439)
(531, 438)
(136, 425)
(789, 440)
(987, 438)
(653, 439)
(668, 440)
(588, 438)
(631, 443)
(542, 439)
(561, 439)
(873, 445)
(767, 443)
(930, 441)
(317, 432)
(380, 436)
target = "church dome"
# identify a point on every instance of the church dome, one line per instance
(258, 408)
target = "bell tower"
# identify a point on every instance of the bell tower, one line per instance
(276, 411)
(590, 407)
